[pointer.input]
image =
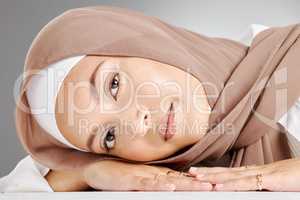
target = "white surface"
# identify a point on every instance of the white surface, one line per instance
(153, 195)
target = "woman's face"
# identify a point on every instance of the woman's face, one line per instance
(134, 108)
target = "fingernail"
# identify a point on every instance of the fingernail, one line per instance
(193, 169)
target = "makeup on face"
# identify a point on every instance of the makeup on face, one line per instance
(151, 126)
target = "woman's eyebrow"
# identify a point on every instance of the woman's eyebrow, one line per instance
(90, 142)
(93, 79)
(95, 72)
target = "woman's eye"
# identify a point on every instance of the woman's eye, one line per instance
(109, 140)
(114, 86)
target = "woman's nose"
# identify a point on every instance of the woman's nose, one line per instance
(144, 120)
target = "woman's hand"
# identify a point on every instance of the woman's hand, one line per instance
(277, 176)
(120, 176)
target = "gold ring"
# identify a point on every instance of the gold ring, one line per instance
(185, 174)
(259, 182)
(170, 172)
(181, 173)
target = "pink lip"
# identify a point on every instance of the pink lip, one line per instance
(168, 130)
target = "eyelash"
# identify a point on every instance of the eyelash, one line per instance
(114, 94)
(110, 132)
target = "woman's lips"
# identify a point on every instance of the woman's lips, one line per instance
(167, 131)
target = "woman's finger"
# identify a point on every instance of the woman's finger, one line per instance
(249, 183)
(226, 176)
(157, 184)
(141, 183)
(205, 170)
(184, 183)
(220, 174)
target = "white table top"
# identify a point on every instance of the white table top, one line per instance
(154, 195)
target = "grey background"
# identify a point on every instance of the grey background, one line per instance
(20, 21)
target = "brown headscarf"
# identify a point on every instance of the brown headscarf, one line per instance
(242, 83)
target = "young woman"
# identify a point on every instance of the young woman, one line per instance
(112, 99)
